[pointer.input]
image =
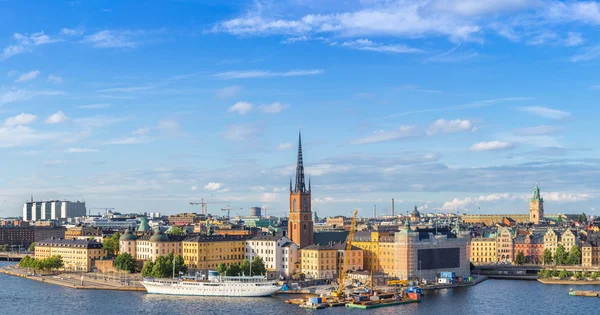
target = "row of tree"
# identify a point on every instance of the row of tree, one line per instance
(163, 267)
(111, 245)
(562, 257)
(125, 262)
(50, 263)
(235, 269)
(549, 273)
(6, 247)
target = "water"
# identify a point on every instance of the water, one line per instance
(23, 296)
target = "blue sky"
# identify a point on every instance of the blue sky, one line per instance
(452, 105)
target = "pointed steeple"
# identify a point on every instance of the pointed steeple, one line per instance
(309, 183)
(290, 184)
(300, 186)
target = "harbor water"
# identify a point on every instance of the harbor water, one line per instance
(23, 296)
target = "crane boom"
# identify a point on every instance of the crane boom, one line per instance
(203, 204)
(344, 271)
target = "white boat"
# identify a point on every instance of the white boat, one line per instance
(215, 286)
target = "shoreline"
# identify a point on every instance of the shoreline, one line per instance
(88, 284)
(575, 282)
(475, 281)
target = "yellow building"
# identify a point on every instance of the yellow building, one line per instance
(207, 252)
(590, 254)
(483, 250)
(77, 255)
(378, 250)
(319, 262)
(150, 247)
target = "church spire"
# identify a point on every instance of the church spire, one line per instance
(300, 186)
(309, 183)
(290, 184)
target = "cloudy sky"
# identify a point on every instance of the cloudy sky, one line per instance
(452, 105)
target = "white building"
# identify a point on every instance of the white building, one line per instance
(52, 210)
(275, 251)
(116, 224)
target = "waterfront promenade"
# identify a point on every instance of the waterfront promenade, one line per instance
(91, 281)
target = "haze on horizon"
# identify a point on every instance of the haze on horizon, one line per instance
(450, 105)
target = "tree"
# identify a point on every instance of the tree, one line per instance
(520, 259)
(233, 270)
(563, 274)
(578, 275)
(560, 219)
(125, 262)
(582, 218)
(4, 248)
(585, 274)
(595, 274)
(180, 267)
(163, 267)
(543, 273)
(53, 263)
(31, 247)
(245, 266)
(547, 256)
(574, 257)
(25, 262)
(258, 266)
(147, 269)
(111, 245)
(175, 230)
(561, 255)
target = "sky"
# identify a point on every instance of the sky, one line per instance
(449, 105)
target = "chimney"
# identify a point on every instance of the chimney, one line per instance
(393, 204)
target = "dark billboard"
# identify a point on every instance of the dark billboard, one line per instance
(439, 258)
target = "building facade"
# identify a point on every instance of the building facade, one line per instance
(53, 210)
(532, 247)
(319, 262)
(149, 247)
(483, 250)
(492, 219)
(300, 224)
(505, 245)
(205, 252)
(270, 249)
(77, 255)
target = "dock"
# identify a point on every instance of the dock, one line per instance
(584, 293)
(381, 304)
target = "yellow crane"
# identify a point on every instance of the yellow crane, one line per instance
(344, 271)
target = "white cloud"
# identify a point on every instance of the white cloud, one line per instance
(273, 108)
(114, 39)
(55, 79)
(19, 135)
(169, 126)
(81, 150)
(57, 118)
(241, 108)
(127, 89)
(365, 44)
(491, 146)
(462, 204)
(455, 54)
(229, 91)
(54, 162)
(194, 188)
(95, 106)
(450, 126)
(129, 140)
(546, 112)
(538, 130)
(21, 95)
(382, 136)
(589, 53)
(25, 43)
(213, 186)
(284, 146)
(141, 131)
(269, 197)
(574, 39)
(566, 197)
(417, 88)
(28, 76)
(21, 119)
(71, 32)
(265, 74)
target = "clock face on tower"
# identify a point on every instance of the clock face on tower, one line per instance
(305, 217)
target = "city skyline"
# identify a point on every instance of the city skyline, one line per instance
(449, 105)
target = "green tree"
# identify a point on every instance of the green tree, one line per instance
(233, 270)
(258, 266)
(4, 248)
(595, 274)
(560, 258)
(111, 245)
(53, 263)
(31, 247)
(175, 230)
(560, 219)
(222, 269)
(563, 274)
(585, 274)
(245, 266)
(547, 256)
(577, 275)
(147, 269)
(520, 259)
(582, 218)
(180, 266)
(543, 273)
(25, 262)
(163, 267)
(574, 257)
(125, 262)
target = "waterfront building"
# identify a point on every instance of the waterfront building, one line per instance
(536, 207)
(483, 250)
(290, 259)
(77, 255)
(149, 247)
(208, 251)
(17, 236)
(590, 251)
(271, 250)
(53, 210)
(319, 261)
(531, 245)
(566, 238)
(505, 244)
(300, 224)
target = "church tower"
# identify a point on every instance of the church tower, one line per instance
(536, 207)
(300, 223)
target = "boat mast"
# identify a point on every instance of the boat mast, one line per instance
(173, 266)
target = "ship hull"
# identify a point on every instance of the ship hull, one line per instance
(212, 289)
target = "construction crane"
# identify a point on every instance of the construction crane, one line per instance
(206, 203)
(229, 209)
(344, 271)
